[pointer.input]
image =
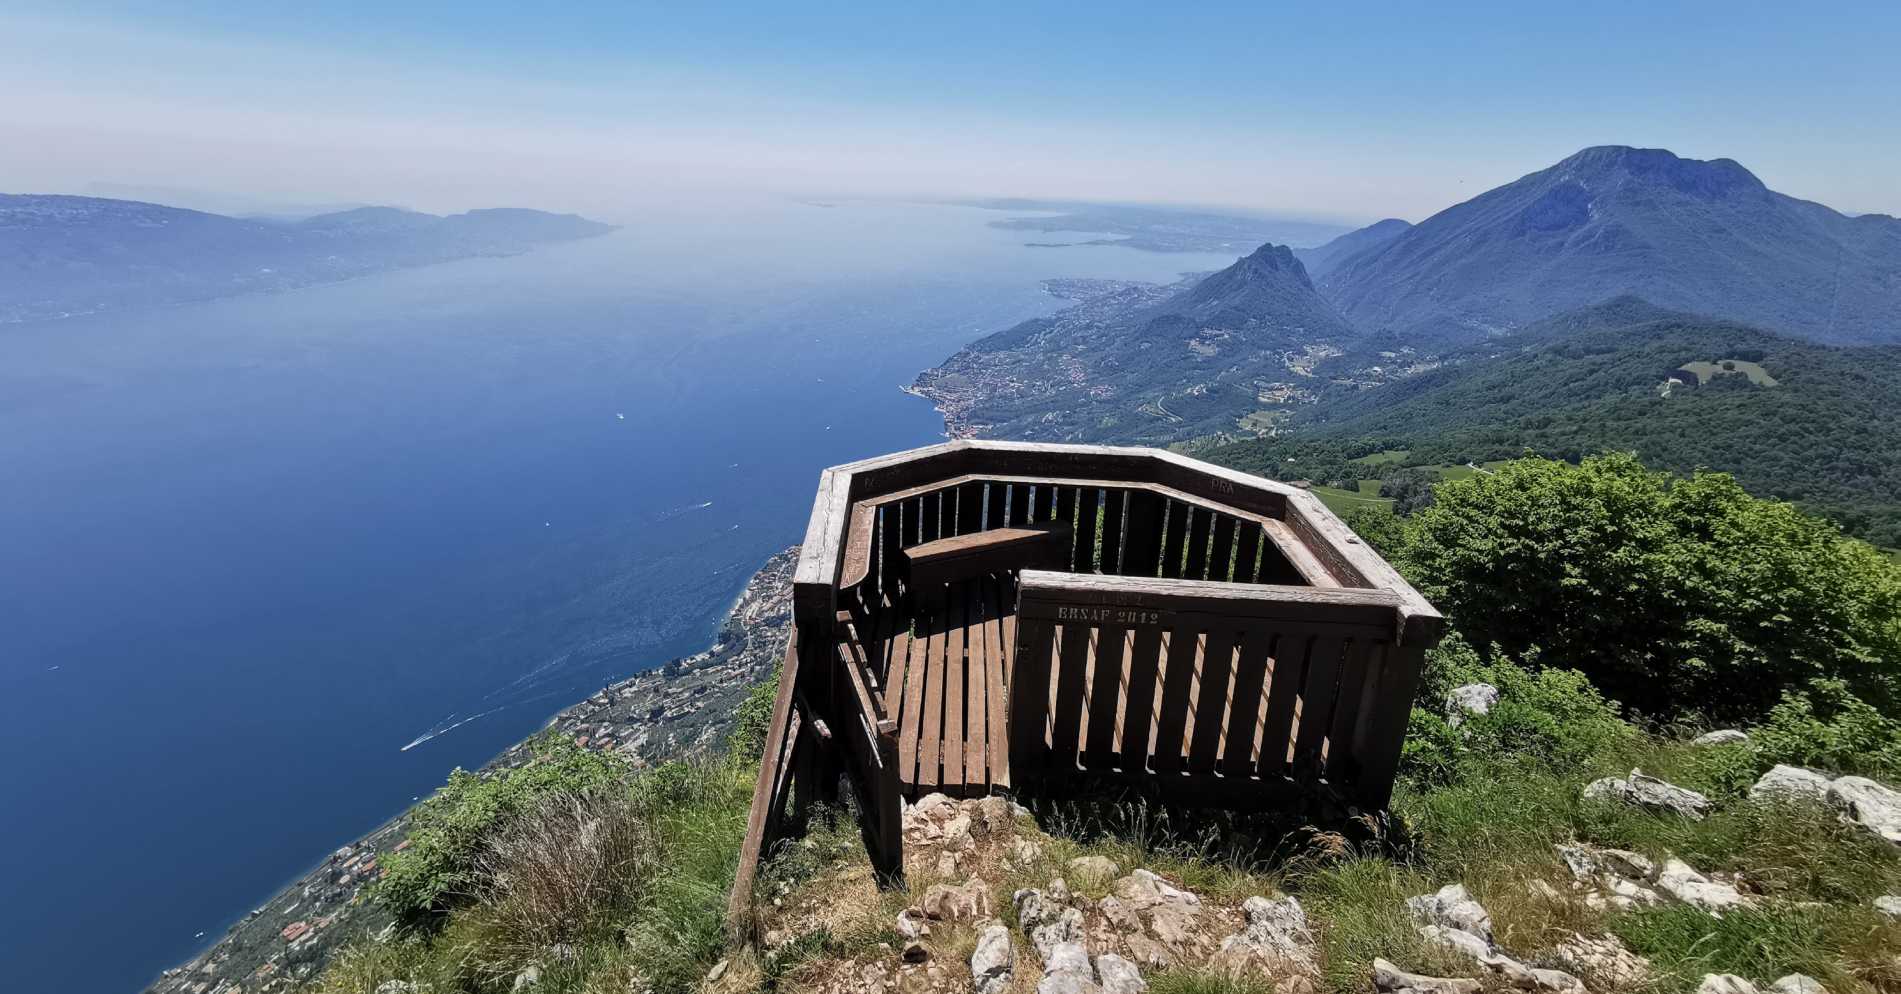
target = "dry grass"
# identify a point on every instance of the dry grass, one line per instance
(550, 876)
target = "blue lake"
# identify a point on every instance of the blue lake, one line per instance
(254, 548)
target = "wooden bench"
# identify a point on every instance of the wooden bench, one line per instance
(936, 564)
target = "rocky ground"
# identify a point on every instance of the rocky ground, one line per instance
(681, 708)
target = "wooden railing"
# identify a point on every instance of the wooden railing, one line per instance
(1182, 574)
(1220, 694)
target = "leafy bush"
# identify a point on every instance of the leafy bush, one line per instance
(752, 720)
(1676, 596)
(1826, 726)
(452, 828)
(1543, 716)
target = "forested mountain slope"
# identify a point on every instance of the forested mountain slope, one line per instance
(1817, 424)
(1142, 364)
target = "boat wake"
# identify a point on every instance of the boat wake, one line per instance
(446, 726)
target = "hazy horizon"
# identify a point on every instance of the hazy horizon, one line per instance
(1339, 116)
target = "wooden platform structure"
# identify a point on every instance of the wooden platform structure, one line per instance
(981, 616)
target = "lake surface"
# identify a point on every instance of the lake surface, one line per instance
(274, 565)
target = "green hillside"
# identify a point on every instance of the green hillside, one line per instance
(1815, 424)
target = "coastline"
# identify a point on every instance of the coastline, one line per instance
(680, 708)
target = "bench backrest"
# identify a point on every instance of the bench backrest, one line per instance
(1222, 694)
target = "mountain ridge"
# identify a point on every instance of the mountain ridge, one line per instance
(1142, 364)
(1705, 236)
(67, 255)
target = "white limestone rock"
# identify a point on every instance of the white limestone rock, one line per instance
(1722, 736)
(1725, 983)
(1471, 699)
(1797, 983)
(1789, 783)
(1393, 980)
(993, 962)
(1650, 793)
(1868, 804)
(1452, 907)
(1119, 976)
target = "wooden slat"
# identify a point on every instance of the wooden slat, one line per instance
(1105, 697)
(958, 604)
(1145, 660)
(1250, 677)
(911, 711)
(1247, 556)
(1316, 701)
(1019, 504)
(994, 497)
(1029, 698)
(1283, 693)
(1197, 568)
(1346, 710)
(977, 647)
(1114, 504)
(1143, 550)
(1174, 538)
(1217, 664)
(1085, 557)
(1221, 551)
(1046, 502)
(1067, 716)
(1382, 734)
(931, 727)
(999, 685)
(758, 817)
(1183, 647)
(890, 547)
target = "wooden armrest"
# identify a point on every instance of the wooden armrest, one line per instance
(946, 560)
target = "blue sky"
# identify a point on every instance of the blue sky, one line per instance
(1312, 108)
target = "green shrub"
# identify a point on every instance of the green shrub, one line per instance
(1676, 596)
(449, 830)
(1829, 727)
(752, 720)
(1544, 716)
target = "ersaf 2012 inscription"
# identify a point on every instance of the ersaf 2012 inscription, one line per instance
(1110, 615)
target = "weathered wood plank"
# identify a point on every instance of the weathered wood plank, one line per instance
(911, 711)
(1250, 683)
(1347, 708)
(1184, 647)
(955, 672)
(1044, 591)
(931, 728)
(753, 844)
(1385, 731)
(1066, 734)
(1105, 697)
(1283, 695)
(1316, 702)
(1217, 664)
(1029, 699)
(1086, 508)
(1145, 660)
